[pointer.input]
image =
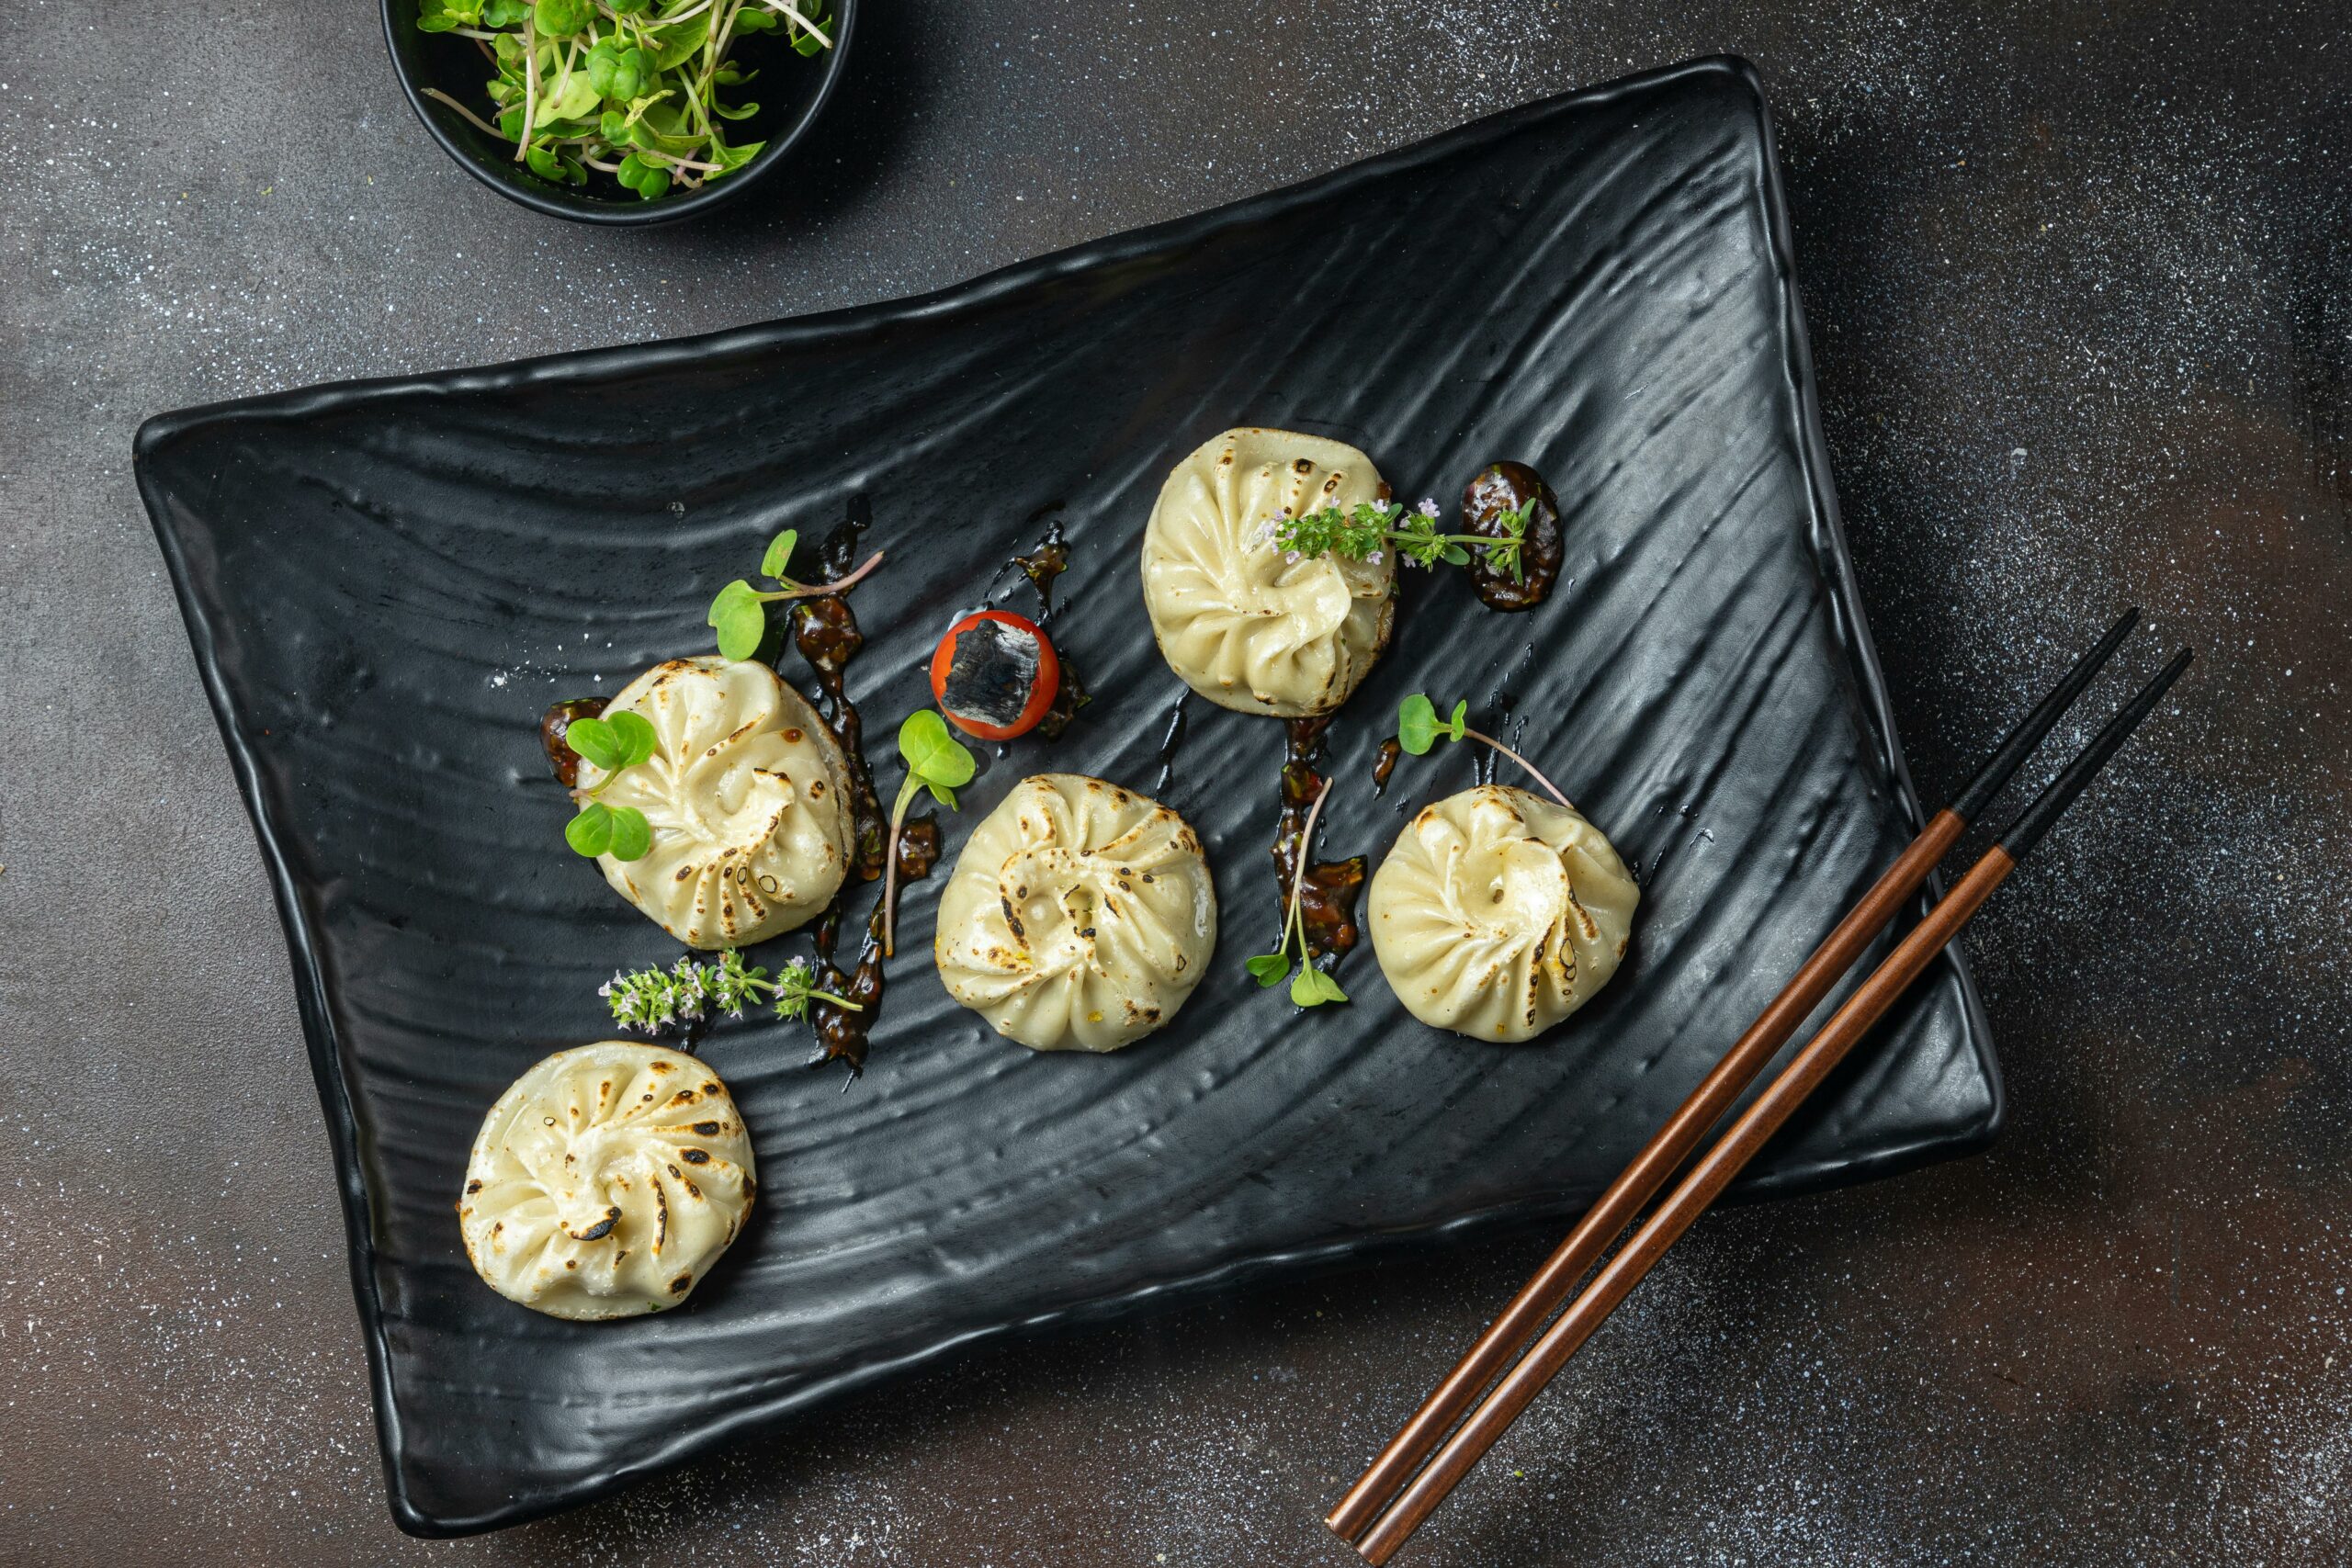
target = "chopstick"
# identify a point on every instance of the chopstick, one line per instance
(1716, 1093)
(1749, 1132)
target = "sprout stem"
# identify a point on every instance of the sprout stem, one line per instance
(890, 867)
(530, 85)
(785, 7)
(478, 123)
(1298, 875)
(817, 591)
(1531, 770)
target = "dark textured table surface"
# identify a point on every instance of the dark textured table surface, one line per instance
(2080, 284)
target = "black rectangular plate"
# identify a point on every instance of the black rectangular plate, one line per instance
(384, 583)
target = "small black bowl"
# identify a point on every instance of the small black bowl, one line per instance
(792, 89)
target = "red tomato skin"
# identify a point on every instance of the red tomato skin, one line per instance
(1041, 694)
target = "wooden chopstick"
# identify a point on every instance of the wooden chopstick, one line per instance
(1748, 1134)
(1716, 1093)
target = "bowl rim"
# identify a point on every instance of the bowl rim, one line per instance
(399, 15)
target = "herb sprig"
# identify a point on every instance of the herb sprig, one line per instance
(1312, 987)
(740, 612)
(1364, 531)
(628, 88)
(614, 745)
(936, 761)
(655, 997)
(1419, 728)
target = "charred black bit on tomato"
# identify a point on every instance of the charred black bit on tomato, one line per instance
(1383, 764)
(825, 631)
(843, 1036)
(1326, 894)
(1505, 487)
(555, 724)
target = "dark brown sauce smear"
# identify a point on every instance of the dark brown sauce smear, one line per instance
(1043, 565)
(554, 725)
(1327, 899)
(825, 631)
(1384, 764)
(843, 1036)
(1504, 487)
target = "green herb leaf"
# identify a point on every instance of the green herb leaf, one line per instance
(1456, 726)
(630, 835)
(932, 754)
(1313, 987)
(1269, 967)
(599, 742)
(561, 18)
(638, 741)
(942, 794)
(778, 560)
(741, 618)
(590, 832)
(1416, 724)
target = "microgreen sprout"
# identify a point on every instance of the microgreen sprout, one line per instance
(1312, 986)
(1364, 531)
(614, 745)
(936, 761)
(654, 997)
(740, 612)
(628, 88)
(1419, 728)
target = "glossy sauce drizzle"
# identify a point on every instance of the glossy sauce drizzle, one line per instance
(1327, 897)
(843, 1036)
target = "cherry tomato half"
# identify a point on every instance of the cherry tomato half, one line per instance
(995, 674)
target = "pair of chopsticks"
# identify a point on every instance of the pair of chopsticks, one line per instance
(1422, 1462)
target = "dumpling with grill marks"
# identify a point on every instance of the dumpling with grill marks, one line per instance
(1080, 917)
(748, 798)
(1498, 913)
(606, 1181)
(1245, 623)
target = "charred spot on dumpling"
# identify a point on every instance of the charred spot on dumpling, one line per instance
(473, 1187)
(682, 1284)
(705, 1129)
(695, 1157)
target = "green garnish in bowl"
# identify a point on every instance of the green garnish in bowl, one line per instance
(628, 88)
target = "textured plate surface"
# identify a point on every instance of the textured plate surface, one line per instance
(385, 583)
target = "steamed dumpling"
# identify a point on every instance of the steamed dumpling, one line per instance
(605, 1182)
(1080, 917)
(747, 799)
(1242, 623)
(1498, 913)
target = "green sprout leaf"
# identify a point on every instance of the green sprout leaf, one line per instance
(1419, 727)
(741, 618)
(638, 739)
(1313, 987)
(933, 755)
(599, 742)
(779, 557)
(631, 835)
(1269, 968)
(590, 832)
(1416, 724)
(561, 18)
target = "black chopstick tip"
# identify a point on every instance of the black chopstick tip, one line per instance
(2035, 819)
(2022, 741)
